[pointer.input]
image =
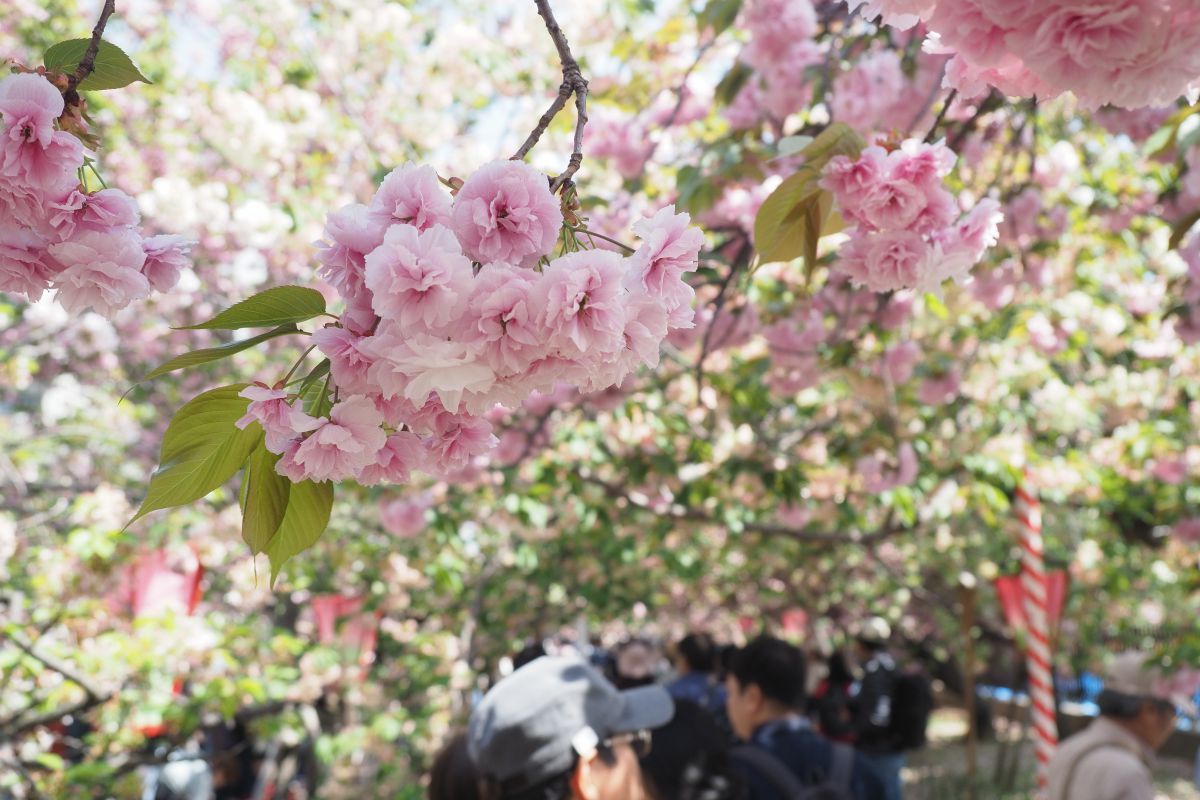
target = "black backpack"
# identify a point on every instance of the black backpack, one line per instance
(912, 704)
(836, 786)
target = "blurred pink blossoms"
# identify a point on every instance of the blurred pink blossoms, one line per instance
(907, 230)
(56, 235)
(456, 306)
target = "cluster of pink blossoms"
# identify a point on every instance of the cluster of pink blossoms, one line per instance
(1128, 53)
(781, 46)
(454, 307)
(56, 235)
(907, 229)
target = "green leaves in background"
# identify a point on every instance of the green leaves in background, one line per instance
(197, 357)
(275, 306)
(113, 69)
(201, 449)
(798, 213)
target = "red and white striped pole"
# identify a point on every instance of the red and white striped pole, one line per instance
(1037, 639)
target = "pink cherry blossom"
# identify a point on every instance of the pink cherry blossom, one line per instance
(1170, 470)
(505, 212)
(853, 180)
(106, 208)
(416, 365)
(1187, 530)
(346, 442)
(863, 96)
(32, 152)
(885, 261)
(394, 463)
(876, 480)
(894, 204)
(349, 362)
(412, 194)
(457, 438)
(502, 315)
(579, 302)
(405, 516)
(166, 257)
(935, 391)
(25, 265)
(899, 361)
(281, 421)
(900, 14)
(670, 247)
(963, 26)
(101, 270)
(418, 277)
(350, 233)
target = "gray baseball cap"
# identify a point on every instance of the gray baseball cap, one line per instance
(526, 729)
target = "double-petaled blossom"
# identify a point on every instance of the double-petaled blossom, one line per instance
(281, 420)
(418, 278)
(505, 212)
(339, 446)
(412, 194)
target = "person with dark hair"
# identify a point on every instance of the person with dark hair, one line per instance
(1110, 759)
(831, 702)
(689, 759)
(529, 652)
(453, 775)
(695, 661)
(874, 730)
(557, 730)
(634, 663)
(783, 754)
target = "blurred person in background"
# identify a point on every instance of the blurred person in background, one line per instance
(453, 775)
(635, 663)
(695, 662)
(689, 759)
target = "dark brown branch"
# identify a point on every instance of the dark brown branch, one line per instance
(741, 260)
(573, 83)
(941, 115)
(88, 62)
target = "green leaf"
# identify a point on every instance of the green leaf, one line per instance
(729, 87)
(719, 15)
(264, 499)
(1164, 139)
(275, 306)
(838, 139)
(936, 306)
(777, 232)
(112, 69)
(201, 449)
(303, 523)
(197, 357)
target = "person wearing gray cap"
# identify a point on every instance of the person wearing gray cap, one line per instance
(556, 729)
(1110, 759)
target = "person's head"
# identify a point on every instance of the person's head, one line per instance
(839, 670)
(1132, 699)
(557, 730)
(453, 776)
(871, 637)
(688, 758)
(529, 652)
(696, 652)
(765, 682)
(634, 664)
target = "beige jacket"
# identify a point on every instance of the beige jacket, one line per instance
(1102, 762)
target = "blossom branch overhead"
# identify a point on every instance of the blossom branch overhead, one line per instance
(88, 62)
(573, 83)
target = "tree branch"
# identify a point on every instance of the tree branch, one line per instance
(739, 261)
(573, 84)
(88, 62)
(19, 724)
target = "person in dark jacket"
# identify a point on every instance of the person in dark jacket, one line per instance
(765, 704)
(695, 663)
(873, 729)
(831, 702)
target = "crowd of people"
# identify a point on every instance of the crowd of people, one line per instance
(758, 722)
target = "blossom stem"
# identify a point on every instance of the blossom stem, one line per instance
(941, 115)
(88, 62)
(610, 240)
(296, 366)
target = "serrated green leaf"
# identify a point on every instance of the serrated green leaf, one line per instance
(303, 523)
(113, 68)
(201, 449)
(776, 234)
(197, 357)
(264, 499)
(275, 306)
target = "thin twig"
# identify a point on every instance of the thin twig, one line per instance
(573, 84)
(88, 62)
(940, 116)
(718, 303)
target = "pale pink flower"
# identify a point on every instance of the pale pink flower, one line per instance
(412, 194)
(580, 304)
(281, 422)
(852, 181)
(287, 465)
(884, 261)
(401, 454)
(645, 329)
(893, 205)
(876, 480)
(1170, 470)
(1045, 335)
(32, 152)
(620, 139)
(899, 361)
(503, 316)
(349, 362)
(776, 26)
(100, 210)
(25, 266)
(1188, 530)
(101, 270)
(457, 438)
(900, 14)
(350, 233)
(863, 95)
(897, 311)
(405, 516)
(505, 212)
(348, 441)
(670, 247)
(166, 257)
(977, 231)
(417, 364)
(964, 27)
(936, 390)
(997, 288)
(418, 278)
